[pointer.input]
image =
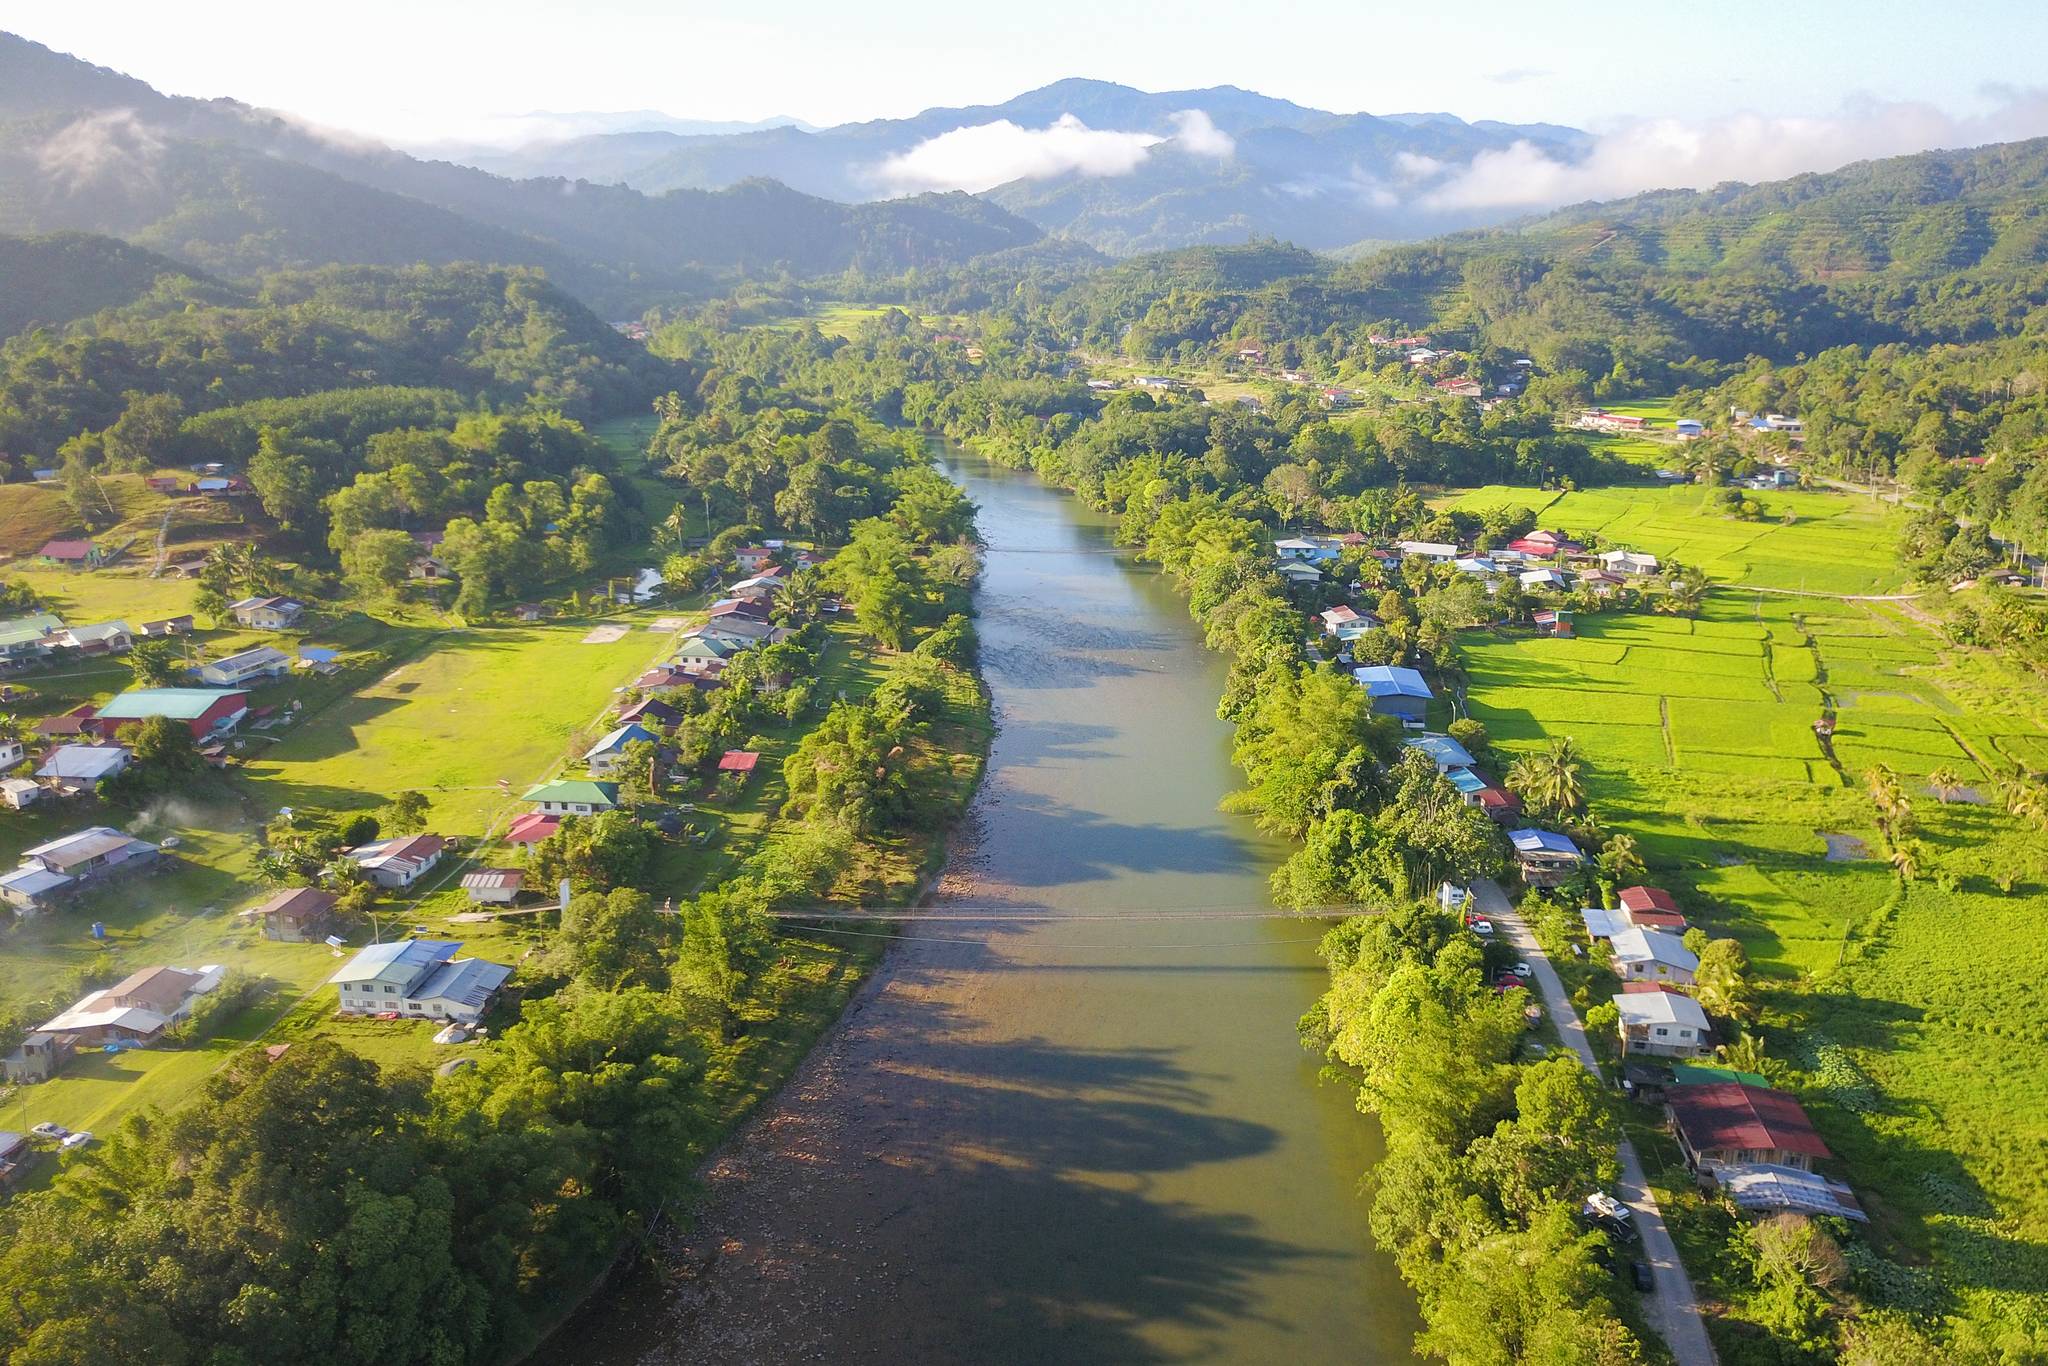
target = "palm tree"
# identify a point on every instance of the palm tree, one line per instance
(1909, 858)
(2025, 798)
(1945, 783)
(674, 528)
(1746, 1054)
(800, 597)
(1888, 795)
(1552, 781)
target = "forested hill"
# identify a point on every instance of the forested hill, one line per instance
(50, 281)
(194, 349)
(1928, 214)
(1642, 295)
(239, 191)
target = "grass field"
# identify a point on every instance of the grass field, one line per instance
(1809, 542)
(1919, 1053)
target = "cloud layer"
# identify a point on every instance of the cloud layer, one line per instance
(986, 155)
(1669, 154)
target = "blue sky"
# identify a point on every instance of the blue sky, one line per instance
(422, 69)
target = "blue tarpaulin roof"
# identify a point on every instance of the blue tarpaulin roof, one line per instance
(314, 654)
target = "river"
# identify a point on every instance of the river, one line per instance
(1089, 1139)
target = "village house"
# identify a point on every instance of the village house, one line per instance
(1307, 550)
(180, 625)
(1543, 857)
(1601, 583)
(38, 1057)
(1663, 1023)
(25, 640)
(1460, 387)
(737, 629)
(1689, 428)
(1477, 565)
(1734, 1124)
(1396, 691)
(1501, 806)
(496, 886)
(1653, 956)
(400, 861)
(750, 609)
(572, 797)
(296, 915)
(1652, 908)
(1436, 552)
(1600, 420)
(752, 558)
(419, 977)
(1298, 572)
(74, 769)
(203, 710)
(62, 866)
(1547, 580)
(72, 554)
(607, 753)
(268, 613)
(739, 763)
(651, 713)
(1628, 562)
(1544, 545)
(531, 828)
(136, 1010)
(12, 752)
(1552, 621)
(246, 666)
(16, 793)
(103, 638)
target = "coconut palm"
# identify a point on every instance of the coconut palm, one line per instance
(1745, 1054)
(1552, 781)
(1945, 783)
(800, 597)
(1888, 795)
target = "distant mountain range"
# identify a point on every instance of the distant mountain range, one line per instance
(234, 190)
(1271, 167)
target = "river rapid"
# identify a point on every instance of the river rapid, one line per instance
(1085, 1138)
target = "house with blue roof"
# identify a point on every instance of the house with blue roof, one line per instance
(1447, 754)
(1396, 691)
(421, 978)
(606, 754)
(1543, 857)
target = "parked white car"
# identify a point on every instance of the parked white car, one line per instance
(1601, 1205)
(73, 1142)
(1451, 897)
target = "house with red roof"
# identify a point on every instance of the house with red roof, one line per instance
(1731, 1124)
(1652, 908)
(71, 554)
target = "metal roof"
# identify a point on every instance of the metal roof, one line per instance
(574, 790)
(399, 963)
(180, 704)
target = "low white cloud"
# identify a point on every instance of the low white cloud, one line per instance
(110, 144)
(1418, 166)
(1194, 131)
(1671, 154)
(985, 155)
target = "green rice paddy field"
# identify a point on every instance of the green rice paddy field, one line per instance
(1918, 1034)
(1811, 542)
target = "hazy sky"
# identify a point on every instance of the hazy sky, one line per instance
(425, 69)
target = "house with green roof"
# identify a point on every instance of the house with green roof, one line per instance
(23, 639)
(573, 797)
(205, 710)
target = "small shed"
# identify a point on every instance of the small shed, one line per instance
(494, 885)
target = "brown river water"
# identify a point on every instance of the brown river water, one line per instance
(1088, 1139)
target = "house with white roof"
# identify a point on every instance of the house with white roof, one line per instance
(1436, 552)
(1653, 956)
(1666, 1023)
(61, 866)
(399, 862)
(79, 768)
(247, 666)
(1629, 562)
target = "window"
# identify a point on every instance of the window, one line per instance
(1662, 1032)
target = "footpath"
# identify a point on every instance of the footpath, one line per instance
(1673, 1311)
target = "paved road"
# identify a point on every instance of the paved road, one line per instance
(1673, 1311)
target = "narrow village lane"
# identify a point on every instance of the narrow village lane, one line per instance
(1673, 1311)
